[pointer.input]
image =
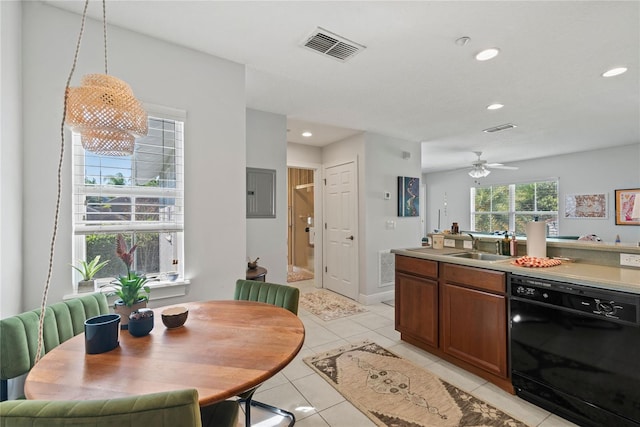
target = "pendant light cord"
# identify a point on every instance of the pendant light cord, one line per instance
(104, 31)
(39, 351)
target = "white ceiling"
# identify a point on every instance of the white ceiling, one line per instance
(413, 81)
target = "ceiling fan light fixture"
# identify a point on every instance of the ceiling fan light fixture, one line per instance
(479, 172)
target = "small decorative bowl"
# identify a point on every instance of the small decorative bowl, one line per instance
(252, 265)
(172, 276)
(174, 317)
(141, 322)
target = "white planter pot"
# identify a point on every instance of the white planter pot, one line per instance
(125, 311)
(86, 286)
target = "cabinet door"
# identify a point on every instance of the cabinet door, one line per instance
(417, 308)
(474, 327)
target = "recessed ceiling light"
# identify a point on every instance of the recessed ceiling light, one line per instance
(614, 72)
(307, 134)
(494, 106)
(487, 54)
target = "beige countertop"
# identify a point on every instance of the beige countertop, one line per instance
(613, 278)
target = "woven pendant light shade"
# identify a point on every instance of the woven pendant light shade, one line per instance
(106, 114)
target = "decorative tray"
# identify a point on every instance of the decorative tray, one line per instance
(533, 262)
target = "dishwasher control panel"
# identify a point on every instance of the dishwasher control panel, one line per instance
(584, 299)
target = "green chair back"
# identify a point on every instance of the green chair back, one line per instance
(283, 296)
(19, 334)
(167, 409)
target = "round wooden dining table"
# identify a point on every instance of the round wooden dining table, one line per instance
(223, 349)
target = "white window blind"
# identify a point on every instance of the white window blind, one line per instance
(143, 192)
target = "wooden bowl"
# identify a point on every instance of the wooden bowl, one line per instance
(174, 317)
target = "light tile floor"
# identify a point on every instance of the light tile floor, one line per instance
(299, 389)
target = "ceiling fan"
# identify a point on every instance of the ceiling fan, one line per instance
(480, 168)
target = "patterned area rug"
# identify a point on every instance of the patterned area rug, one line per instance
(328, 305)
(296, 274)
(392, 391)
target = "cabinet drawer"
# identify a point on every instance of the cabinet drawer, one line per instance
(417, 266)
(488, 280)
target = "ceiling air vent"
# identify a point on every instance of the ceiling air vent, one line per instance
(500, 128)
(330, 44)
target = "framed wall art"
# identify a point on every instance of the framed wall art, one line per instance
(408, 196)
(586, 206)
(628, 206)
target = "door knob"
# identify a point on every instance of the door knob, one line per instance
(350, 238)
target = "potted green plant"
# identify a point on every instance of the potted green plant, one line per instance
(87, 270)
(131, 288)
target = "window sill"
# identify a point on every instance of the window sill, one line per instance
(160, 290)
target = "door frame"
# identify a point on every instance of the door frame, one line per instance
(318, 262)
(357, 245)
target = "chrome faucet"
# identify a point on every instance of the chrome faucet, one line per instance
(474, 242)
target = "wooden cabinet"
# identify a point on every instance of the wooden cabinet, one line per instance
(474, 327)
(473, 318)
(417, 299)
(456, 312)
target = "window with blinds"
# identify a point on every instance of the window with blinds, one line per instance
(139, 196)
(509, 207)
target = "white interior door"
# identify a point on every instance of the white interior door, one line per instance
(341, 225)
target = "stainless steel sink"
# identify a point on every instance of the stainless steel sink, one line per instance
(482, 256)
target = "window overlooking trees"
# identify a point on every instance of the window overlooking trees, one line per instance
(509, 207)
(139, 196)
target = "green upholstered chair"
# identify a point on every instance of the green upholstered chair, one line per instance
(283, 296)
(19, 334)
(167, 409)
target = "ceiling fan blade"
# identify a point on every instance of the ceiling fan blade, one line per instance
(501, 166)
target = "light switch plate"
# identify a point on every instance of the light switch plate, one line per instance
(449, 243)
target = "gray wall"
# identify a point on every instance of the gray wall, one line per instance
(599, 171)
(209, 89)
(267, 149)
(10, 158)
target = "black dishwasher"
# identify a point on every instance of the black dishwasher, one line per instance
(575, 350)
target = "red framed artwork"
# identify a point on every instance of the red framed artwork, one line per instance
(628, 206)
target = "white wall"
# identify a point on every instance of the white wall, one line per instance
(211, 90)
(267, 149)
(383, 165)
(10, 158)
(599, 171)
(299, 154)
(380, 163)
